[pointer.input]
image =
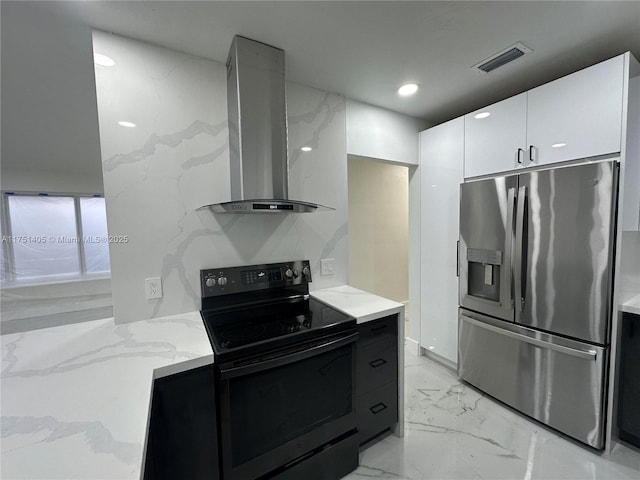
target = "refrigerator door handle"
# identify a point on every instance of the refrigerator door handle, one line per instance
(584, 354)
(506, 291)
(458, 258)
(519, 254)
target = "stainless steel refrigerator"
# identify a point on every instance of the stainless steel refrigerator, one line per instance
(536, 272)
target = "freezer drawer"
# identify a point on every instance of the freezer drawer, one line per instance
(557, 381)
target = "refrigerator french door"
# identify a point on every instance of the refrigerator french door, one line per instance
(536, 267)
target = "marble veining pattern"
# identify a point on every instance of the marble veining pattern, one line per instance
(97, 436)
(74, 406)
(171, 140)
(176, 160)
(453, 432)
(75, 398)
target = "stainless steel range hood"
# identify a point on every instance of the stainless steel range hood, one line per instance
(258, 132)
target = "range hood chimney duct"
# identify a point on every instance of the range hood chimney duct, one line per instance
(256, 103)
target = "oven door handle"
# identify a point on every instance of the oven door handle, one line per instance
(231, 372)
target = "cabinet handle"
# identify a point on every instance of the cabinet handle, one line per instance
(520, 155)
(378, 362)
(378, 408)
(531, 149)
(378, 329)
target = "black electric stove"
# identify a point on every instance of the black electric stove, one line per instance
(284, 370)
(253, 309)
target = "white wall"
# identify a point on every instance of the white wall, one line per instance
(50, 181)
(157, 174)
(49, 115)
(378, 227)
(50, 143)
(379, 133)
(630, 207)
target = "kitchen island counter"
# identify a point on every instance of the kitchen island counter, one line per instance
(76, 398)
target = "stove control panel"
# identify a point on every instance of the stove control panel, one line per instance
(224, 281)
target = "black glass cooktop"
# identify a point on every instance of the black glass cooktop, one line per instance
(253, 330)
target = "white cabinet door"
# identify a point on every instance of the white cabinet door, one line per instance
(491, 142)
(577, 116)
(441, 172)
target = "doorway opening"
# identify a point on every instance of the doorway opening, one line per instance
(379, 227)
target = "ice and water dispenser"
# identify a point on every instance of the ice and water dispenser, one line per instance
(484, 273)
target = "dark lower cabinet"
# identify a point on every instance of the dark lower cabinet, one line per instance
(377, 378)
(629, 390)
(182, 439)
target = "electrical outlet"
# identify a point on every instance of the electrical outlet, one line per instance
(326, 266)
(153, 287)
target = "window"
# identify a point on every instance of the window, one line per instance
(94, 226)
(53, 237)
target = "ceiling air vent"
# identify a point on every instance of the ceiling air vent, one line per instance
(501, 58)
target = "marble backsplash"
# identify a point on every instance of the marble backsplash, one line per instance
(176, 159)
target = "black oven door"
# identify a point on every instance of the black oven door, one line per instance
(279, 407)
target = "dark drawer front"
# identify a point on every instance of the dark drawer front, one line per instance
(377, 411)
(379, 330)
(629, 398)
(377, 365)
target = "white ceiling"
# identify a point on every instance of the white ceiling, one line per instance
(365, 50)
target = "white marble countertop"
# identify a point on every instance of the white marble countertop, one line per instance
(75, 398)
(631, 303)
(364, 306)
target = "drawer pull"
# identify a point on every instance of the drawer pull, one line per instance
(378, 408)
(378, 362)
(379, 328)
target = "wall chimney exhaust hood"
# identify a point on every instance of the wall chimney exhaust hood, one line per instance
(257, 109)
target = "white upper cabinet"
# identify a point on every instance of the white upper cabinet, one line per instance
(574, 117)
(577, 116)
(495, 136)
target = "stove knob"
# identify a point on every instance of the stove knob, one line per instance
(296, 272)
(306, 272)
(288, 273)
(211, 282)
(222, 281)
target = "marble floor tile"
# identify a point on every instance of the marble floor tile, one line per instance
(452, 431)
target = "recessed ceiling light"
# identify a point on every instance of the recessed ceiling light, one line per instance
(558, 145)
(481, 115)
(408, 89)
(123, 123)
(306, 149)
(103, 60)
